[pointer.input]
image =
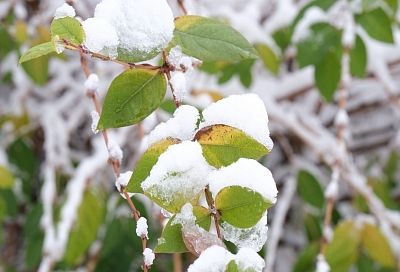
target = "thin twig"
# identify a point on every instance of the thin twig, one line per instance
(216, 215)
(182, 7)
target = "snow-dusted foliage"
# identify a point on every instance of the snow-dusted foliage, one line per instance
(151, 134)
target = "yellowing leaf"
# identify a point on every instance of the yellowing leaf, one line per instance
(6, 178)
(223, 145)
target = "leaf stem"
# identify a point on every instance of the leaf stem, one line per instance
(216, 215)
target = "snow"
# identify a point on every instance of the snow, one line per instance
(246, 173)
(148, 256)
(114, 151)
(141, 227)
(101, 37)
(92, 82)
(216, 258)
(181, 61)
(185, 216)
(342, 118)
(253, 238)
(331, 191)
(64, 11)
(247, 258)
(322, 265)
(95, 121)
(180, 171)
(123, 180)
(213, 259)
(313, 15)
(246, 112)
(178, 82)
(182, 126)
(143, 25)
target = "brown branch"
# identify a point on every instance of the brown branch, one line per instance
(115, 163)
(182, 7)
(167, 68)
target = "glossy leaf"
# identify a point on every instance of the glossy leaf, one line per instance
(342, 251)
(309, 189)
(132, 96)
(327, 75)
(37, 51)
(358, 58)
(269, 58)
(146, 163)
(223, 145)
(211, 40)
(377, 246)
(241, 207)
(377, 24)
(69, 29)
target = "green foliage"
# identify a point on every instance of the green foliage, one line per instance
(306, 259)
(89, 218)
(377, 24)
(358, 58)
(132, 96)
(283, 37)
(211, 40)
(309, 189)
(34, 236)
(225, 71)
(8, 43)
(223, 145)
(146, 163)
(327, 75)
(269, 58)
(6, 178)
(232, 267)
(37, 51)
(69, 29)
(241, 207)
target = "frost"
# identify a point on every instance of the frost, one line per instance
(148, 256)
(322, 265)
(171, 177)
(248, 260)
(64, 11)
(114, 151)
(182, 61)
(95, 121)
(178, 82)
(141, 227)
(123, 180)
(143, 25)
(182, 126)
(246, 173)
(245, 112)
(213, 259)
(101, 37)
(253, 238)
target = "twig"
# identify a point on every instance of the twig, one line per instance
(167, 70)
(182, 7)
(214, 211)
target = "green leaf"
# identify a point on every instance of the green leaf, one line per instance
(146, 163)
(38, 69)
(327, 75)
(377, 246)
(211, 40)
(377, 24)
(223, 145)
(306, 260)
(241, 207)
(37, 51)
(358, 58)
(171, 240)
(89, 218)
(312, 226)
(132, 96)
(69, 29)
(34, 236)
(135, 55)
(269, 58)
(283, 37)
(6, 178)
(7, 42)
(310, 189)
(342, 252)
(232, 267)
(324, 38)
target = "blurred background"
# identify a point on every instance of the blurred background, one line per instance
(329, 74)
